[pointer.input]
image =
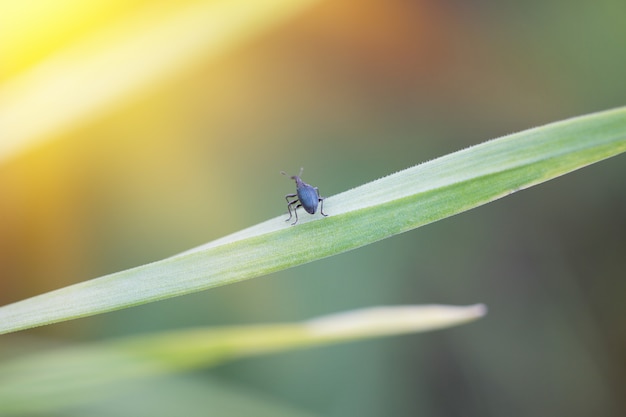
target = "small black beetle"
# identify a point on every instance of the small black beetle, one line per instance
(306, 195)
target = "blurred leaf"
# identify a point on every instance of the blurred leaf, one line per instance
(377, 210)
(58, 378)
(184, 395)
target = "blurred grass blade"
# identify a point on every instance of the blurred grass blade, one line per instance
(377, 210)
(62, 377)
(93, 75)
(183, 395)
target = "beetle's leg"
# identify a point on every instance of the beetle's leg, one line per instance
(289, 204)
(321, 201)
(295, 210)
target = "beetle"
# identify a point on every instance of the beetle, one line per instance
(306, 196)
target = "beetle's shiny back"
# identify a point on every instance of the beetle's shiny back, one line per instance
(308, 198)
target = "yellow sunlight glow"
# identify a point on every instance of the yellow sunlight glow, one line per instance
(96, 73)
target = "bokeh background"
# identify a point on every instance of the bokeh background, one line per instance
(352, 90)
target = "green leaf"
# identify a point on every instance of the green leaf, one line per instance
(376, 210)
(57, 378)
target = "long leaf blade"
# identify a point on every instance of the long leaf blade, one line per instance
(51, 380)
(394, 204)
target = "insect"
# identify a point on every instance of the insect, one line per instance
(306, 196)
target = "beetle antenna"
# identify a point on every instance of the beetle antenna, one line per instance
(287, 175)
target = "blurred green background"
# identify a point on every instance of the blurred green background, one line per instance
(351, 90)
